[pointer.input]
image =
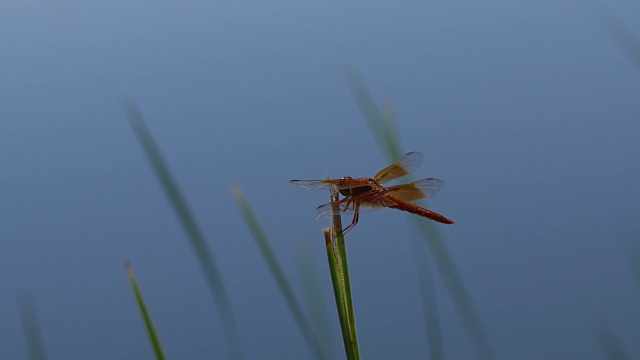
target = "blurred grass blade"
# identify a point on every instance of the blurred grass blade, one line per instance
(384, 131)
(277, 272)
(633, 257)
(30, 326)
(199, 245)
(312, 290)
(610, 345)
(457, 290)
(382, 127)
(621, 35)
(428, 298)
(151, 331)
(339, 269)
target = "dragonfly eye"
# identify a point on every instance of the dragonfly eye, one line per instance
(347, 178)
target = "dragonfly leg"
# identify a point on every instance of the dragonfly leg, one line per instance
(356, 216)
(347, 204)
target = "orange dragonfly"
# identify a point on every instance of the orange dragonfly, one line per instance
(367, 194)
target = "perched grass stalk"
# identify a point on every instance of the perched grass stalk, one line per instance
(338, 291)
(384, 130)
(314, 299)
(277, 272)
(30, 326)
(199, 245)
(339, 268)
(151, 331)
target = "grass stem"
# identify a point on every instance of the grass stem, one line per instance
(146, 317)
(339, 269)
(277, 272)
(195, 236)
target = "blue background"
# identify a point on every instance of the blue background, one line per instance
(526, 110)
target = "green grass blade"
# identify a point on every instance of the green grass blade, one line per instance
(277, 272)
(313, 296)
(384, 131)
(30, 326)
(339, 293)
(196, 239)
(626, 41)
(148, 323)
(339, 269)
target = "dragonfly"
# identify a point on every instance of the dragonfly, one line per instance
(368, 194)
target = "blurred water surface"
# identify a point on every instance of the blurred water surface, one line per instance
(527, 111)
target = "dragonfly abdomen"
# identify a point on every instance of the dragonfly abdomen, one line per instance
(404, 205)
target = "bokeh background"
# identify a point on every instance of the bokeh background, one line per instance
(527, 110)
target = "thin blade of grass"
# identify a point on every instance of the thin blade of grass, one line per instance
(383, 129)
(339, 269)
(626, 41)
(277, 272)
(196, 239)
(312, 290)
(146, 317)
(31, 327)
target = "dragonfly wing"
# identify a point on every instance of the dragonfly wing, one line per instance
(349, 204)
(312, 184)
(417, 190)
(405, 165)
(338, 184)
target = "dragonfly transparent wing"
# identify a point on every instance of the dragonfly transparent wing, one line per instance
(338, 184)
(417, 190)
(405, 165)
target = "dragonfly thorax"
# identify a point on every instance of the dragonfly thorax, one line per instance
(368, 185)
